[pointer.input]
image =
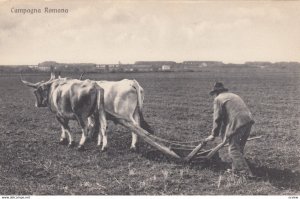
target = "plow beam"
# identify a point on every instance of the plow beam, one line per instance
(145, 135)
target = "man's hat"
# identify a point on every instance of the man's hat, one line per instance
(218, 88)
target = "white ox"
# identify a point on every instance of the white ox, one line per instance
(82, 100)
(124, 98)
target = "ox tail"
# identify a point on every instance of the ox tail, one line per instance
(100, 99)
(94, 119)
(140, 95)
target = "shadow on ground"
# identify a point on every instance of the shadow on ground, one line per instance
(281, 179)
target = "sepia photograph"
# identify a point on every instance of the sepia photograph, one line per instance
(149, 98)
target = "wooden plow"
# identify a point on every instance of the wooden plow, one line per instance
(185, 151)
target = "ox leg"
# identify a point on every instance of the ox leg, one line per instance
(63, 138)
(134, 139)
(93, 127)
(65, 129)
(84, 129)
(103, 127)
(71, 141)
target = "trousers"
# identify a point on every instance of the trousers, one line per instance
(236, 149)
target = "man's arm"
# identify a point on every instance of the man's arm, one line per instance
(217, 118)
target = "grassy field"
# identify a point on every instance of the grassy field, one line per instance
(179, 108)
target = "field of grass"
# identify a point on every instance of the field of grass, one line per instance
(179, 108)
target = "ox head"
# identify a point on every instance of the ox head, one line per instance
(41, 90)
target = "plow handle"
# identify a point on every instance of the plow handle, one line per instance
(194, 152)
(216, 149)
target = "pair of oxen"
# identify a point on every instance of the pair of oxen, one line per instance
(91, 104)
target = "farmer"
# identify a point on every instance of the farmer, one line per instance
(232, 120)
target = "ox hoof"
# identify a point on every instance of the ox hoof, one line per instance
(80, 148)
(71, 145)
(104, 149)
(63, 141)
(133, 149)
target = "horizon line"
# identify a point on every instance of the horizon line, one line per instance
(120, 63)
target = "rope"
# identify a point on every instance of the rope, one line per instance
(175, 142)
(182, 145)
(180, 148)
(199, 155)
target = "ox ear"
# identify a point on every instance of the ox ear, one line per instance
(33, 85)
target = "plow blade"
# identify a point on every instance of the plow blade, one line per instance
(145, 135)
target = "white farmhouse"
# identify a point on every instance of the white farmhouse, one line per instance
(165, 67)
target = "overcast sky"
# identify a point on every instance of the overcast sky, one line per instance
(128, 31)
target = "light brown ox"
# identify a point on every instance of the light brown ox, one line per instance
(71, 99)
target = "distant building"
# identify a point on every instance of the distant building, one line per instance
(166, 68)
(263, 67)
(148, 66)
(33, 66)
(203, 63)
(108, 67)
(102, 67)
(47, 66)
(259, 64)
(44, 68)
(154, 63)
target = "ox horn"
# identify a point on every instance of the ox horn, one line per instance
(59, 72)
(52, 76)
(33, 85)
(80, 78)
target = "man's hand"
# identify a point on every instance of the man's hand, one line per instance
(209, 138)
